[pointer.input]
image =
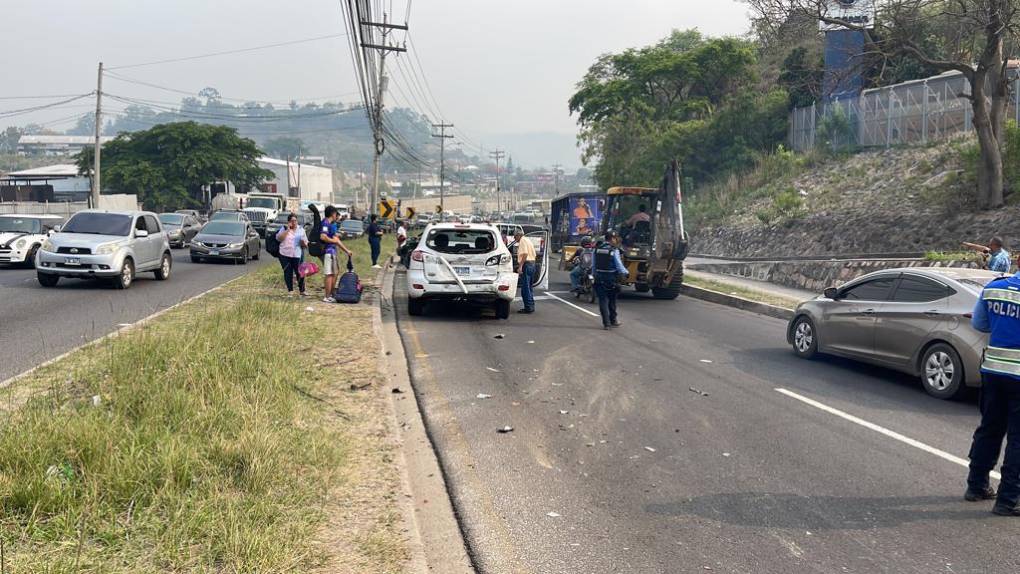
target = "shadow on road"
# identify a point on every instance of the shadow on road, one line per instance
(818, 513)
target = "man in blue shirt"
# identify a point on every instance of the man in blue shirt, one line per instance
(330, 265)
(608, 267)
(998, 312)
(998, 257)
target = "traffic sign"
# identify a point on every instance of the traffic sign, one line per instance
(439, 209)
(411, 212)
(386, 208)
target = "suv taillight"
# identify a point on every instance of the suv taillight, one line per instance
(417, 255)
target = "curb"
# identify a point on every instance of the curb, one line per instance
(437, 543)
(738, 302)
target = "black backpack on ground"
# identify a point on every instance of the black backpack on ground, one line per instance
(348, 289)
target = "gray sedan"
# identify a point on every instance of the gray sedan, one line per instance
(226, 240)
(912, 320)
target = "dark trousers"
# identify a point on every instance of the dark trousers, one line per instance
(376, 244)
(290, 270)
(527, 292)
(606, 292)
(1000, 418)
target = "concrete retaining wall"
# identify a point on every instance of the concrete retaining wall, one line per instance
(815, 275)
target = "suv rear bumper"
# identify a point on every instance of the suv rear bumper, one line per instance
(503, 287)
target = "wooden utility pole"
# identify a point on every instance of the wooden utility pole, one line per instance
(96, 173)
(556, 175)
(443, 136)
(498, 155)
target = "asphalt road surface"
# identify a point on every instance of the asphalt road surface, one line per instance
(38, 323)
(690, 440)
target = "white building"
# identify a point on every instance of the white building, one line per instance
(56, 145)
(311, 182)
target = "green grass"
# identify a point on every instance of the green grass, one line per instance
(217, 443)
(944, 256)
(740, 291)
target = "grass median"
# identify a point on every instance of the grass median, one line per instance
(228, 435)
(743, 292)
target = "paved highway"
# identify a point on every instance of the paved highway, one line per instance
(690, 440)
(37, 323)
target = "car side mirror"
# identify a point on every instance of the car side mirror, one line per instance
(831, 293)
(140, 233)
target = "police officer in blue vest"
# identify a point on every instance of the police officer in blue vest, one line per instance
(998, 313)
(607, 268)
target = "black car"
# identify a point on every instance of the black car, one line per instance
(226, 240)
(352, 228)
(180, 228)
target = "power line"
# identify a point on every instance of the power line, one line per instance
(228, 52)
(18, 112)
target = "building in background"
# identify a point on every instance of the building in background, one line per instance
(56, 145)
(50, 183)
(302, 180)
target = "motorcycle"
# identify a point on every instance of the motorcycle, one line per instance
(586, 288)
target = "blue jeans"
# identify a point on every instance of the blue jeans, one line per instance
(575, 277)
(527, 293)
(1000, 419)
(376, 244)
(607, 291)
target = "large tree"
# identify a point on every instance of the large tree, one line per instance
(973, 37)
(167, 165)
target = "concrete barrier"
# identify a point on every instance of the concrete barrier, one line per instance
(738, 302)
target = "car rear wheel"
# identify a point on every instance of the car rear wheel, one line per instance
(47, 280)
(415, 307)
(244, 257)
(942, 372)
(165, 264)
(127, 275)
(805, 338)
(502, 309)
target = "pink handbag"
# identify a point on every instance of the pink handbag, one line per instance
(307, 268)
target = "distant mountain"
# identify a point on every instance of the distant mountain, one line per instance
(537, 149)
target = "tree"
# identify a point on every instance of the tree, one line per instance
(86, 126)
(167, 165)
(801, 77)
(9, 139)
(285, 147)
(965, 36)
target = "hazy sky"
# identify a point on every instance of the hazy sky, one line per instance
(495, 67)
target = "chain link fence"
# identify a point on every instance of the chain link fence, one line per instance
(909, 113)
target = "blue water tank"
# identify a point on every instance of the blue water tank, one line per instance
(843, 64)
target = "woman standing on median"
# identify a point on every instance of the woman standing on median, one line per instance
(292, 240)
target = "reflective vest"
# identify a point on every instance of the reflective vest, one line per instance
(605, 265)
(1002, 301)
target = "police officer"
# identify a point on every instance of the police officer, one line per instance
(608, 267)
(998, 313)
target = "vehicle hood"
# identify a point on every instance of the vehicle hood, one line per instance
(89, 240)
(8, 237)
(217, 238)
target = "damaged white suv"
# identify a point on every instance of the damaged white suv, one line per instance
(462, 262)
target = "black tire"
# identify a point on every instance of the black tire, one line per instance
(804, 337)
(244, 257)
(590, 295)
(642, 287)
(166, 264)
(126, 276)
(196, 259)
(671, 291)
(502, 308)
(415, 307)
(47, 279)
(30, 258)
(257, 253)
(942, 374)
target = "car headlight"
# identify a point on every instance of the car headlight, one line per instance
(234, 245)
(20, 244)
(107, 249)
(47, 245)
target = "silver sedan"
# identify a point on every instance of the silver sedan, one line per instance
(914, 320)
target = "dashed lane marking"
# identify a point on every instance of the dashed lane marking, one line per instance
(881, 430)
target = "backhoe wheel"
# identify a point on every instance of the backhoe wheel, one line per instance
(672, 291)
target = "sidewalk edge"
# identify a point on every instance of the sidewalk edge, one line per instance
(738, 302)
(437, 543)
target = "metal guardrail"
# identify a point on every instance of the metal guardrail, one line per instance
(838, 257)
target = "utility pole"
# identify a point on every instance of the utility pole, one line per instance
(498, 155)
(556, 175)
(443, 136)
(377, 113)
(96, 178)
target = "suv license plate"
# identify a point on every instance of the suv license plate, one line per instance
(462, 270)
(214, 252)
(72, 261)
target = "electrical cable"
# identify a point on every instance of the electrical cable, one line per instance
(227, 52)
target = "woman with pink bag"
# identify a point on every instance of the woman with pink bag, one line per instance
(292, 240)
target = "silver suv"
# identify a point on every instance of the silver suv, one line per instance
(105, 244)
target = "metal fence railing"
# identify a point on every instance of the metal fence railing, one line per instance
(62, 208)
(912, 112)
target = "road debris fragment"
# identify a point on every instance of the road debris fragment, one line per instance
(706, 361)
(649, 449)
(698, 391)
(483, 396)
(506, 429)
(500, 336)
(552, 514)
(492, 370)
(397, 391)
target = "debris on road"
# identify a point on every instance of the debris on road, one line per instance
(564, 412)
(397, 391)
(698, 391)
(483, 396)
(706, 361)
(500, 336)
(531, 342)
(506, 429)
(492, 370)
(726, 454)
(552, 514)
(649, 449)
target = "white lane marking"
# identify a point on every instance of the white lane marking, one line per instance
(882, 430)
(565, 302)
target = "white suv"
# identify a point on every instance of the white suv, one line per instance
(460, 261)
